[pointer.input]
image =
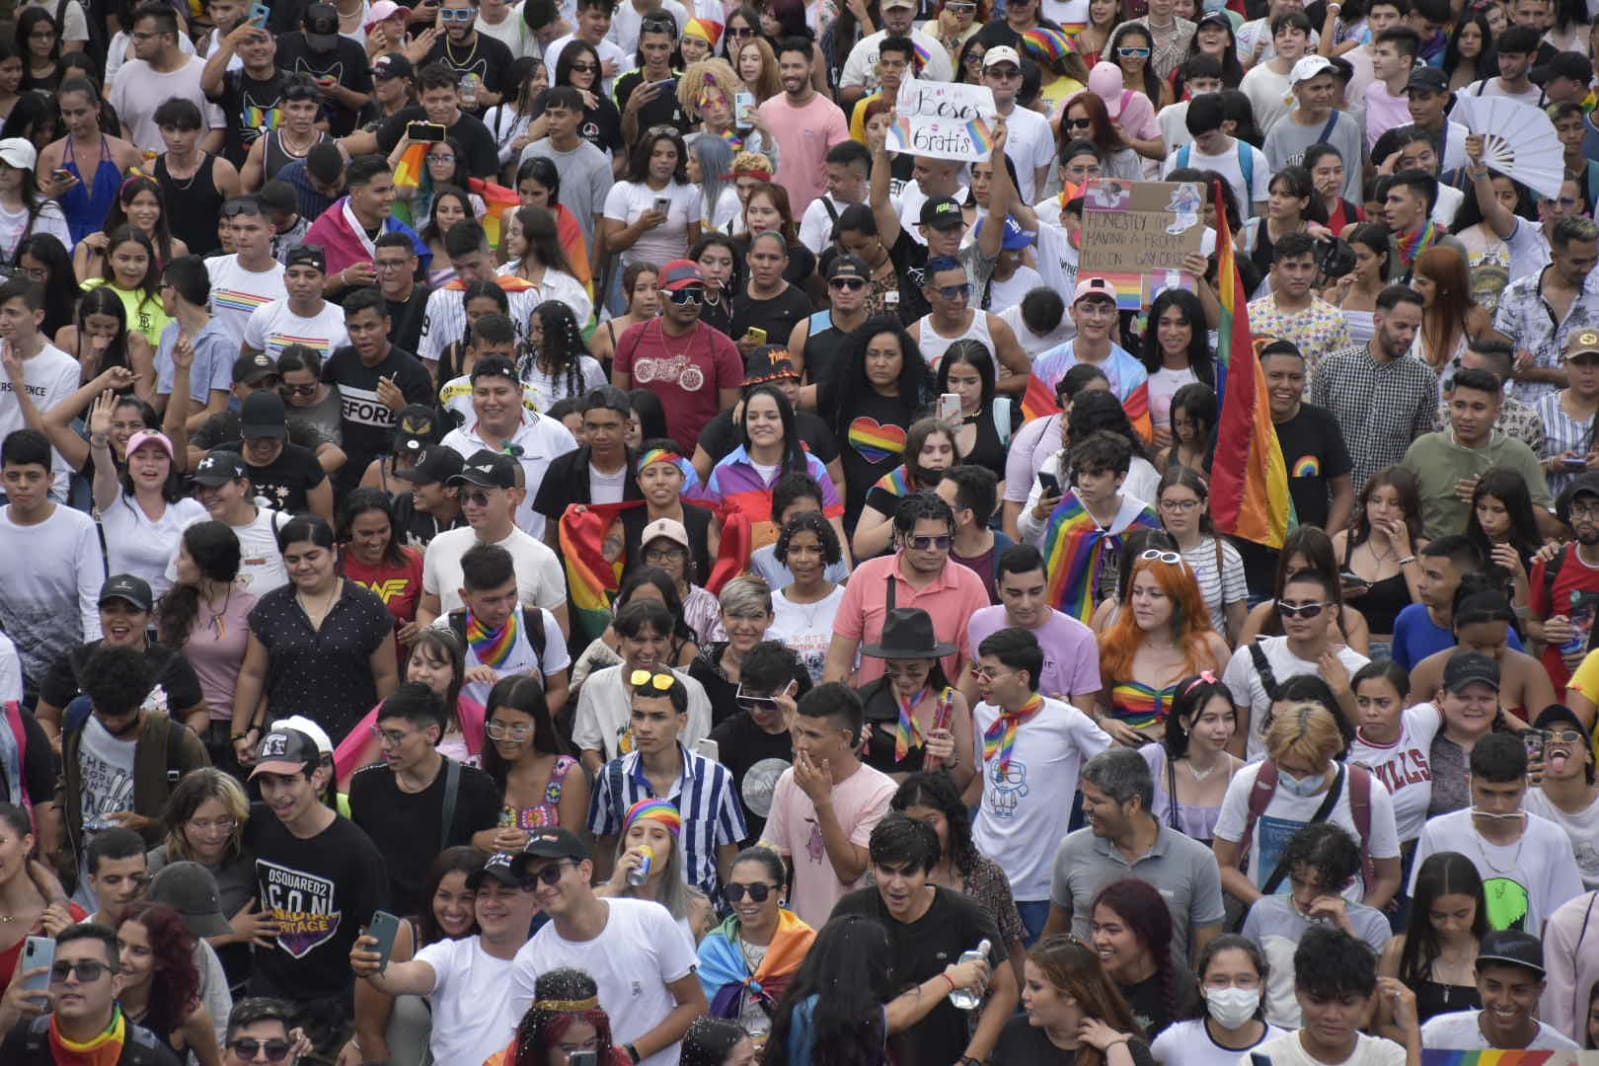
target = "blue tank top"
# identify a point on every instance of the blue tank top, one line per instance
(85, 212)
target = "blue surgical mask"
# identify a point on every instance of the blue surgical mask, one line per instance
(1300, 786)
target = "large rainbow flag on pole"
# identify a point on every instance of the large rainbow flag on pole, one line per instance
(1249, 480)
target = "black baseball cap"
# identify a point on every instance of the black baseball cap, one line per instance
(1586, 484)
(502, 866)
(310, 255)
(128, 587)
(392, 65)
(1468, 667)
(436, 465)
(250, 369)
(492, 470)
(1573, 65)
(263, 416)
(942, 212)
(278, 196)
(848, 266)
(415, 428)
(1512, 947)
(191, 890)
(1428, 79)
(554, 843)
(285, 751)
(1557, 714)
(321, 25)
(219, 468)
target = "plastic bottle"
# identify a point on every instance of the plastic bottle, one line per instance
(641, 873)
(963, 998)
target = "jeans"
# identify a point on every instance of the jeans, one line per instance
(1034, 914)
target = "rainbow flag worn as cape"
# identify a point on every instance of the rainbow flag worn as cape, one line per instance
(408, 173)
(497, 200)
(1249, 479)
(591, 580)
(725, 974)
(1074, 554)
(1137, 407)
(1039, 399)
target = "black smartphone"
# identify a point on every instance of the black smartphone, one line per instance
(384, 928)
(1049, 483)
(1353, 580)
(425, 131)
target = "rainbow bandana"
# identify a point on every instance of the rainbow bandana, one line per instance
(906, 731)
(104, 1050)
(1074, 550)
(1000, 738)
(1410, 247)
(659, 455)
(657, 810)
(492, 647)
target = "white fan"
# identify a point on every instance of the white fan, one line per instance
(1519, 142)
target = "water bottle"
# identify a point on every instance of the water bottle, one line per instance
(963, 998)
(641, 873)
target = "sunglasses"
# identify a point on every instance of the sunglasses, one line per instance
(86, 969)
(741, 31)
(847, 283)
(247, 1049)
(751, 702)
(449, 14)
(683, 297)
(1079, 123)
(1003, 72)
(1133, 53)
(476, 499)
(659, 682)
(921, 544)
(551, 874)
(955, 292)
(759, 892)
(1300, 610)
(299, 390)
(1155, 555)
(584, 68)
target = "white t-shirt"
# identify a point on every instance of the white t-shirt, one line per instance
(1459, 1031)
(640, 951)
(860, 67)
(1244, 682)
(609, 52)
(1286, 1050)
(541, 441)
(236, 292)
(1266, 89)
(260, 563)
(1023, 814)
(444, 317)
(1227, 165)
(627, 22)
(1287, 813)
(10, 670)
(1532, 96)
(50, 586)
(105, 777)
(1190, 1044)
(50, 376)
(47, 219)
(137, 545)
(607, 488)
(806, 628)
(476, 1007)
(627, 200)
(604, 713)
(1031, 145)
(551, 389)
(523, 657)
(1582, 827)
(139, 90)
(1403, 766)
(274, 326)
(1524, 882)
(539, 579)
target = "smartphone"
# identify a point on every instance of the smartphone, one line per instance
(949, 408)
(709, 749)
(38, 951)
(582, 1058)
(1049, 483)
(757, 334)
(666, 84)
(663, 204)
(1576, 462)
(385, 927)
(425, 131)
(1353, 580)
(744, 109)
(1534, 740)
(63, 174)
(259, 13)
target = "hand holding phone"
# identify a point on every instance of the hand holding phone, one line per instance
(949, 408)
(384, 928)
(38, 953)
(1049, 483)
(259, 13)
(428, 132)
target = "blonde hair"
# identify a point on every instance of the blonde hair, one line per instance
(197, 786)
(753, 162)
(708, 74)
(1305, 729)
(768, 84)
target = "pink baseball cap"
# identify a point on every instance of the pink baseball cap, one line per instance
(146, 436)
(382, 11)
(1105, 82)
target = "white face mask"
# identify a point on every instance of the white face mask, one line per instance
(1232, 1007)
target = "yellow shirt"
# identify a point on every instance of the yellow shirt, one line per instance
(145, 313)
(1586, 681)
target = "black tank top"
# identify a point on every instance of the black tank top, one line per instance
(1383, 600)
(193, 204)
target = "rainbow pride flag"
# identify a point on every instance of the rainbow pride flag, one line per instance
(1507, 1058)
(497, 202)
(1074, 554)
(1137, 407)
(1249, 479)
(591, 579)
(408, 174)
(1039, 400)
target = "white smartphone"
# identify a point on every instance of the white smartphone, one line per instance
(38, 951)
(949, 408)
(710, 749)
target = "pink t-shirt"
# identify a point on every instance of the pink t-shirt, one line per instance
(685, 372)
(1071, 653)
(1384, 111)
(805, 134)
(952, 599)
(859, 802)
(215, 649)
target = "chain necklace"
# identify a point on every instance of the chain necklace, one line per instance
(1200, 775)
(1515, 859)
(316, 620)
(460, 64)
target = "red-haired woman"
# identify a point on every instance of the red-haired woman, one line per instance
(161, 984)
(1086, 119)
(1131, 928)
(1074, 1015)
(1163, 636)
(1450, 316)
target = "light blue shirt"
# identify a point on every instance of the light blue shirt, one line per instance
(1123, 369)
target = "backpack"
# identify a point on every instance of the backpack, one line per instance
(77, 715)
(1246, 160)
(1359, 809)
(532, 621)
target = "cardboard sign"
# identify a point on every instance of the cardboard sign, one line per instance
(1136, 233)
(944, 120)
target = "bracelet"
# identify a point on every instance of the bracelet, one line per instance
(1407, 560)
(632, 1053)
(1123, 1040)
(950, 979)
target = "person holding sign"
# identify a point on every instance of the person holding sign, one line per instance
(1032, 143)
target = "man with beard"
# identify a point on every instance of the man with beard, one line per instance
(472, 55)
(806, 123)
(1377, 435)
(1563, 592)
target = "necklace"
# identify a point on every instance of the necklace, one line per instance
(317, 618)
(185, 184)
(1515, 859)
(292, 151)
(1200, 775)
(460, 64)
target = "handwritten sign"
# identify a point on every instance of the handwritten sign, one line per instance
(944, 120)
(1137, 233)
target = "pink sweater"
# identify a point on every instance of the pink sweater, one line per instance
(1573, 969)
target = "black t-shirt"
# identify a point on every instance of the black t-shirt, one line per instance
(1313, 448)
(756, 759)
(405, 319)
(954, 923)
(366, 423)
(287, 479)
(777, 316)
(866, 414)
(723, 694)
(249, 106)
(223, 430)
(1021, 1044)
(824, 349)
(567, 482)
(718, 315)
(1149, 1002)
(801, 265)
(172, 673)
(482, 154)
(322, 891)
(601, 125)
(720, 436)
(406, 827)
(346, 64)
(417, 529)
(488, 58)
(910, 262)
(664, 110)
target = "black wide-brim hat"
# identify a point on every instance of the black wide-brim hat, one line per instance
(908, 634)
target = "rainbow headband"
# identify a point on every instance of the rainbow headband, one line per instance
(659, 455)
(657, 810)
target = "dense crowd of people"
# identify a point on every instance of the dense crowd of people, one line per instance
(543, 533)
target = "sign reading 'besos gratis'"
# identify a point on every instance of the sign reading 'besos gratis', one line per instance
(944, 120)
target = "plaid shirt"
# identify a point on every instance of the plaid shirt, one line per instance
(1318, 330)
(704, 796)
(1527, 317)
(1380, 407)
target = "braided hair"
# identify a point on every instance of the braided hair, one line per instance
(562, 350)
(560, 997)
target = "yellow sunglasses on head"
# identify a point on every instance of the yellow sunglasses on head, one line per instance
(659, 682)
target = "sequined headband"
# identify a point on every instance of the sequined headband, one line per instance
(567, 1006)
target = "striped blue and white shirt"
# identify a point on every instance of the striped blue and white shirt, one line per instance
(704, 796)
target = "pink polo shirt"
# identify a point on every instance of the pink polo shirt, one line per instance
(951, 599)
(806, 134)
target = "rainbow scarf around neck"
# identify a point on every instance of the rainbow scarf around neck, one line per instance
(493, 647)
(1074, 550)
(725, 974)
(104, 1050)
(734, 141)
(1410, 247)
(1000, 738)
(906, 731)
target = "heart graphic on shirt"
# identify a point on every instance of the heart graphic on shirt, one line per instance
(875, 441)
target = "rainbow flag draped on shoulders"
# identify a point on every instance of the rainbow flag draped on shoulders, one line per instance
(1075, 548)
(1249, 479)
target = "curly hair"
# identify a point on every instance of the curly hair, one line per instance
(708, 75)
(561, 354)
(810, 522)
(935, 790)
(174, 980)
(1190, 621)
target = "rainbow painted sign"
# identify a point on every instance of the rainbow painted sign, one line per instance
(945, 120)
(1137, 234)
